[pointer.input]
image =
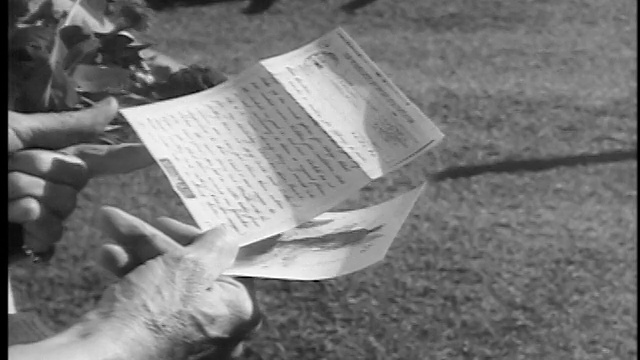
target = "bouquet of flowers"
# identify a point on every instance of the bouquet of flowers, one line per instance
(65, 55)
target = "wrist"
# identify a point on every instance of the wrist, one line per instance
(73, 344)
(169, 323)
(138, 338)
(115, 339)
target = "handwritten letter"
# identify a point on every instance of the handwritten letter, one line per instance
(357, 105)
(286, 140)
(246, 155)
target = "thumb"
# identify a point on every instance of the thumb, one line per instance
(59, 130)
(114, 258)
(180, 232)
(217, 248)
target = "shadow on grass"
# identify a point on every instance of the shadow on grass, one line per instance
(533, 165)
(354, 5)
(253, 7)
(160, 5)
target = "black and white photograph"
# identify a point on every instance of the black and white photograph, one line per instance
(322, 179)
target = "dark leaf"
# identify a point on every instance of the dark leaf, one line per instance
(129, 99)
(188, 81)
(114, 42)
(80, 52)
(72, 35)
(89, 14)
(17, 9)
(71, 97)
(62, 93)
(126, 57)
(161, 73)
(36, 41)
(138, 47)
(118, 132)
(31, 97)
(46, 90)
(94, 78)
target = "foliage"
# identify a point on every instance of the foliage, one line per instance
(65, 55)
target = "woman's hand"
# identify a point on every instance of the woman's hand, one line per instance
(172, 287)
(171, 301)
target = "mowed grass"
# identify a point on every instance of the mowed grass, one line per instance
(520, 264)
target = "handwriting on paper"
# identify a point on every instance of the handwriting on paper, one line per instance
(284, 141)
(250, 155)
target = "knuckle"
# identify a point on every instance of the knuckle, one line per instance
(191, 258)
(239, 296)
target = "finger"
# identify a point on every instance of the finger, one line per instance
(256, 317)
(180, 232)
(50, 165)
(217, 248)
(112, 159)
(61, 199)
(44, 232)
(59, 130)
(24, 210)
(141, 241)
(114, 259)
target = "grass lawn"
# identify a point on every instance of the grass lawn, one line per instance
(535, 261)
